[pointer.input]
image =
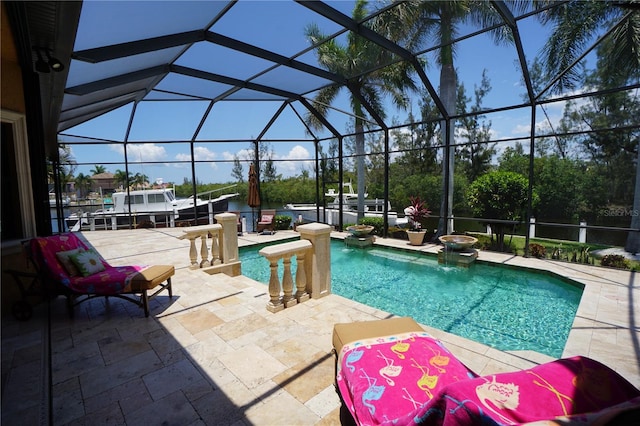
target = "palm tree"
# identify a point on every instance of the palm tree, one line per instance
(65, 167)
(121, 177)
(83, 182)
(140, 180)
(575, 23)
(414, 21)
(97, 169)
(355, 60)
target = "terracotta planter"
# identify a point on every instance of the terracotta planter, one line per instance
(416, 237)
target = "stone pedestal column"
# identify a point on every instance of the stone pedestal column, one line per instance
(229, 242)
(318, 263)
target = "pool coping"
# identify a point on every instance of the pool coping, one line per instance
(432, 256)
(604, 328)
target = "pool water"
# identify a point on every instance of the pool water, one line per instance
(509, 309)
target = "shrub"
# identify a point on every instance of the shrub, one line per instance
(582, 255)
(537, 250)
(376, 222)
(615, 261)
(282, 221)
(499, 195)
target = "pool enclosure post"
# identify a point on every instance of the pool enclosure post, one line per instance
(318, 262)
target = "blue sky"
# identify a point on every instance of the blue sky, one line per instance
(157, 125)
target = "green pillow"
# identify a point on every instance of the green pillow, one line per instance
(67, 264)
(88, 262)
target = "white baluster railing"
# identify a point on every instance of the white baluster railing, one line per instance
(224, 245)
(281, 294)
(203, 232)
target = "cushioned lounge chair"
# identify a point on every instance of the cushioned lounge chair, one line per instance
(392, 372)
(67, 266)
(267, 221)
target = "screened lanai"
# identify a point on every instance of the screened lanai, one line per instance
(403, 99)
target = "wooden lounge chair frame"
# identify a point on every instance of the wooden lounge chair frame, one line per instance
(266, 225)
(56, 281)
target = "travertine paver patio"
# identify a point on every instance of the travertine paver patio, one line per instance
(214, 355)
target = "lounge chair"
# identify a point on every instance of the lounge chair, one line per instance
(267, 221)
(69, 267)
(391, 371)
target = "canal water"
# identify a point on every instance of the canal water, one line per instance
(594, 236)
(251, 215)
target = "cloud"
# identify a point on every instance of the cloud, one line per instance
(542, 126)
(297, 159)
(200, 153)
(521, 129)
(298, 153)
(245, 154)
(142, 152)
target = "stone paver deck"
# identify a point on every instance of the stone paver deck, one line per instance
(214, 355)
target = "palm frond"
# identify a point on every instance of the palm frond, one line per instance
(575, 25)
(321, 103)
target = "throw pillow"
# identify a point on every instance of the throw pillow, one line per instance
(88, 262)
(266, 218)
(67, 264)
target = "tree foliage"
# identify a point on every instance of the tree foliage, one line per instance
(97, 169)
(122, 178)
(355, 60)
(475, 155)
(238, 171)
(83, 183)
(499, 195)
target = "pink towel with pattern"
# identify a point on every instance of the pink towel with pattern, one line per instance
(113, 280)
(413, 379)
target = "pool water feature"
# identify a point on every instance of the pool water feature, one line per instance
(505, 308)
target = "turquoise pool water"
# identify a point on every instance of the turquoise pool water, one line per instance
(501, 307)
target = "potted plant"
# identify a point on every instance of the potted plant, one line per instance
(282, 221)
(415, 213)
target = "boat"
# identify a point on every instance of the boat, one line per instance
(64, 199)
(331, 213)
(157, 207)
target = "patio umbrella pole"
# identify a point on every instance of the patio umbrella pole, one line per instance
(253, 197)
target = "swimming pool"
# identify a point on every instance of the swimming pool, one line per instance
(509, 309)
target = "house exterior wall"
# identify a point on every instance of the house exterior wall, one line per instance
(10, 72)
(12, 99)
(104, 181)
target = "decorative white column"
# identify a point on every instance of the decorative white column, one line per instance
(229, 240)
(319, 262)
(204, 252)
(532, 227)
(287, 283)
(210, 212)
(275, 302)
(582, 236)
(301, 279)
(193, 252)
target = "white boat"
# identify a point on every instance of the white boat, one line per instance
(64, 199)
(156, 207)
(331, 214)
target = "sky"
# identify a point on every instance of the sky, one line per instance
(158, 125)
